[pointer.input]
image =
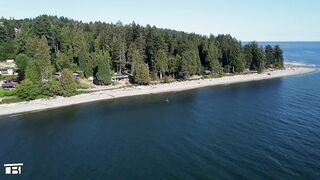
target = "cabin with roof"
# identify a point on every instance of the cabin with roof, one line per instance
(10, 60)
(8, 85)
(78, 74)
(7, 67)
(7, 71)
(120, 77)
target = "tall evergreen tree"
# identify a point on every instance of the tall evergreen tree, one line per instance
(260, 59)
(213, 57)
(278, 57)
(174, 63)
(68, 83)
(230, 51)
(257, 56)
(141, 74)
(33, 72)
(76, 45)
(119, 53)
(3, 34)
(21, 39)
(190, 64)
(64, 60)
(269, 56)
(85, 62)
(240, 63)
(103, 69)
(134, 57)
(150, 46)
(66, 39)
(42, 58)
(42, 26)
(161, 62)
(31, 45)
(80, 47)
(22, 62)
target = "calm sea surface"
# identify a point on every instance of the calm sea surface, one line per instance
(259, 130)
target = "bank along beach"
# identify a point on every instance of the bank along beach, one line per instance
(291, 68)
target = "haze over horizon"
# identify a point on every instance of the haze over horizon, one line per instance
(247, 20)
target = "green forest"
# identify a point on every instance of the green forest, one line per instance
(45, 45)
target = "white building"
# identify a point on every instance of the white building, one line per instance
(120, 77)
(10, 60)
(6, 71)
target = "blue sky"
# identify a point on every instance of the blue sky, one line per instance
(261, 20)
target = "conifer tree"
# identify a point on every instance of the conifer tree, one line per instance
(42, 58)
(161, 63)
(103, 69)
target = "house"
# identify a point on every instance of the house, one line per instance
(97, 82)
(77, 74)
(10, 79)
(119, 77)
(10, 60)
(207, 72)
(6, 71)
(7, 67)
(57, 74)
(17, 30)
(8, 85)
(91, 78)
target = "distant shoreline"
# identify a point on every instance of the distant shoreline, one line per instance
(292, 68)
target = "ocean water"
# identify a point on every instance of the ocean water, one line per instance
(258, 130)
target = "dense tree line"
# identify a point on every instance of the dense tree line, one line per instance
(48, 44)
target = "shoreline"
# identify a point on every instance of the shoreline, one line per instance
(58, 102)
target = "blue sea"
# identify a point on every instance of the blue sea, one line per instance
(258, 130)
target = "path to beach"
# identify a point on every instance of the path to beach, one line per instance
(57, 102)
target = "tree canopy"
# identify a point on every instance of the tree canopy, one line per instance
(48, 44)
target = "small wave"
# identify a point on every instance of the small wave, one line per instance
(15, 115)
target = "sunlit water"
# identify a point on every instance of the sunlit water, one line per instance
(267, 129)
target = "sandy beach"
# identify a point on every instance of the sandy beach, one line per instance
(58, 102)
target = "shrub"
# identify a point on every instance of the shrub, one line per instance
(5, 93)
(10, 100)
(22, 62)
(55, 87)
(27, 90)
(45, 91)
(168, 79)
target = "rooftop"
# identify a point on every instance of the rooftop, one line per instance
(5, 64)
